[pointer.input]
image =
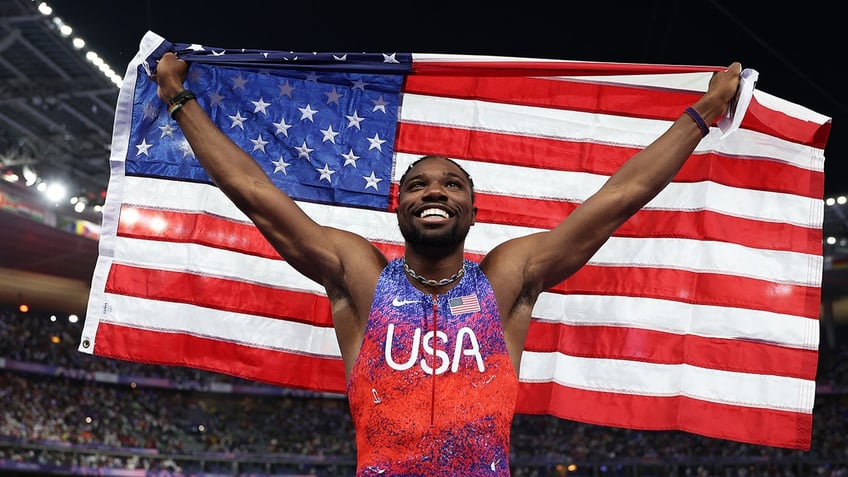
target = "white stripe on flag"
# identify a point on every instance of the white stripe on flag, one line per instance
(646, 313)
(250, 330)
(702, 256)
(382, 226)
(590, 127)
(679, 318)
(648, 379)
(516, 181)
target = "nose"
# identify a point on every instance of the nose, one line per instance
(434, 192)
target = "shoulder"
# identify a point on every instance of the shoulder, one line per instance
(505, 273)
(510, 270)
(359, 264)
(506, 261)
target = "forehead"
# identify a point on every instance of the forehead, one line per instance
(435, 166)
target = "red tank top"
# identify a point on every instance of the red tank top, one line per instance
(433, 390)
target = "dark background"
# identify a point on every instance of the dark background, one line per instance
(797, 48)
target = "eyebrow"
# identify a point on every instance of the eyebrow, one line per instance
(446, 174)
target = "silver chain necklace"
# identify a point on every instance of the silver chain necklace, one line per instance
(434, 283)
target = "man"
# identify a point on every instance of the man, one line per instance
(432, 342)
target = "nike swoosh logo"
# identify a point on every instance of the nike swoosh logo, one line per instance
(397, 302)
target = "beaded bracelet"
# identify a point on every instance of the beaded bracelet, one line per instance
(698, 120)
(180, 99)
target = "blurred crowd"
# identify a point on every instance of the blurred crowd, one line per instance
(65, 421)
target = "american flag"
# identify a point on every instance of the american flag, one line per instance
(700, 314)
(464, 304)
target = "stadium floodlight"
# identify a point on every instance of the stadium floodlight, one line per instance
(66, 31)
(56, 192)
(30, 176)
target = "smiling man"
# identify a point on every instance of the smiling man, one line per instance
(432, 342)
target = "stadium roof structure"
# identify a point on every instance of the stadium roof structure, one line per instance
(57, 106)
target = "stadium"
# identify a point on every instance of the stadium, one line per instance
(71, 413)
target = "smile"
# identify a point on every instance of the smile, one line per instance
(433, 212)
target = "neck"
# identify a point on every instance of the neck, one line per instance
(434, 282)
(434, 262)
(433, 268)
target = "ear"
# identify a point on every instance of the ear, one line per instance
(474, 215)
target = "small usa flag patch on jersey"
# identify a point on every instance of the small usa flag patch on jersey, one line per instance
(464, 304)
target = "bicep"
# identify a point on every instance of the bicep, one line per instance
(327, 255)
(550, 257)
(317, 251)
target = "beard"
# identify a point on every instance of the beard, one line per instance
(420, 237)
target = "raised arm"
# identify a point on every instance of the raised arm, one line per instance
(527, 266)
(321, 253)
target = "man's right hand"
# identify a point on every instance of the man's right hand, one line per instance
(170, 75)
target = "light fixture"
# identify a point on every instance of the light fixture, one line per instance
(10, 176)
(79, 204)
(30, 176)
(55, 192)
(66, 31)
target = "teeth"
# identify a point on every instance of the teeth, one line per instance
(434, 213)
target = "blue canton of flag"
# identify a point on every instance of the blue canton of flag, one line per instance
(464, 304)
(322, 136)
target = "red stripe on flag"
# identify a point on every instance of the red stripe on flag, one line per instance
(651, 282)
(541, 67)
(219, 294)
(222, 233)
(701, 288)
(744, 424)
(623, 100)
(778, 124)
(659, 347)
(555, 154)
(194, 227)
(633, 101)
(695, 225)
(299, 371)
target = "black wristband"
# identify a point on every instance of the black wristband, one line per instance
(179, 99)
(702, 125)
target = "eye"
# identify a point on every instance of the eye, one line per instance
(454, 185)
